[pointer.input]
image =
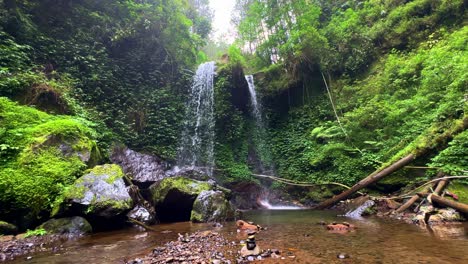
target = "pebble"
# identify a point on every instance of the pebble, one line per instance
(342, 256)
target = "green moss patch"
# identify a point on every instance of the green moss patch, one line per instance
(183, 185)
(40, 154)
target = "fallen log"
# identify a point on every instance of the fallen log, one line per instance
(434, 198)
(374, 177)
(440, 186)
(408, 203)
(429, 143)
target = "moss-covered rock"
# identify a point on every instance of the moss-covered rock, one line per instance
(174, 197)
(211, 206)
(7, 228)
(73, 226)
(185, 186)
(101, 192)
(40, 154)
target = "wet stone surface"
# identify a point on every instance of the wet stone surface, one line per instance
(12, 247)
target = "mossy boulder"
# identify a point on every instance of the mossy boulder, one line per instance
(7, 228)
(173, 197)
(72, 226)
(39, 155)
(212, 206)
(101, 192)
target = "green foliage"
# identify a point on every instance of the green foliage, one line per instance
(123, 64)
(454, 159)
(42, 154)
(409, 101)
(35, 232)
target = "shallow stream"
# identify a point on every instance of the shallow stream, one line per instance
(295, 233)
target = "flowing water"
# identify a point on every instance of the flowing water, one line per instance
(259, 132)
(294, 232)
(197, 142)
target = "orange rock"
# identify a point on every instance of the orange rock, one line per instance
(340, 227)
(242, 225)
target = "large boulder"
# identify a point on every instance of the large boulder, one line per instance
(100, 193)
(72, 226)
(174, 197)
(211, 206)
(7, 228)
(144, 169)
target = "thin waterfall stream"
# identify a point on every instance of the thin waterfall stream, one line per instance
(197, 141)
(262, 148)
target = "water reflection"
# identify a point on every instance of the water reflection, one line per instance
(295, 233)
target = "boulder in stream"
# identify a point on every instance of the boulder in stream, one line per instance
(211, 206)
(175, 197)
(100, 193)
(7, 228)
(71, 226)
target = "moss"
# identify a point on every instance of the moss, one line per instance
(459, 189)
(185, 185)
(47, 157)
(7, 228)
(114, 172)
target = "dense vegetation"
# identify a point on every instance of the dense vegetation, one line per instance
(347, 87)
(396, 72)
(118, 69)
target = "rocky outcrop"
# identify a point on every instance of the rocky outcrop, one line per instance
(173, 198)
(211, 206)
(144, 169)
(101, 193)
(184, 199)
(73, 226)
(7, 228)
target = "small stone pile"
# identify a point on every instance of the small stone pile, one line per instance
(197, 248)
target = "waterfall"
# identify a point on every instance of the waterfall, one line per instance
(260, 134)
(256, 107)
(197, 142)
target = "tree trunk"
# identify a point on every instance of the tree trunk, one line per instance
(374, 177)
(440, 186)
(408, 203)
(434, 198)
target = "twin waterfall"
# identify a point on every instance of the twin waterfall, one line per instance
(197, 142)
(196, 148)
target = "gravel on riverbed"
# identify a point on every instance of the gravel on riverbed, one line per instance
(199, 247)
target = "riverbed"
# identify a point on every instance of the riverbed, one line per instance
(296, 233)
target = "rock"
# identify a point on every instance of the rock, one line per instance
(446, 215)
(211, 206)
(242, 225)
(141, 214)
(246, 252)
(73, 226)
(101, 192)
(173, 197)
(7, 228)
(144, 169)
(189, 172)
